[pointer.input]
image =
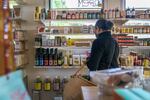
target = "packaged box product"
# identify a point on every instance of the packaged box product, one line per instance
(108, 80)
(110, 76)
(83, 59)
(76, 60)
(44, 40)
(19, 35)
(82, 43)
(19, 46)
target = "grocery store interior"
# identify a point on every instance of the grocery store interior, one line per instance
(44, 45)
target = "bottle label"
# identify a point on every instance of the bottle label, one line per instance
(85, 15)
(55, 62)
(47, 86)
(46, 62)
(37, 62)
(37, 86)
(65, 61)
(41, 62)
(56, 86)
(50, 62)
(59, 62)
(70, 61)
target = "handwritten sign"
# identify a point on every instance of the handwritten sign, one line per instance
(76, 3)
(89, 3)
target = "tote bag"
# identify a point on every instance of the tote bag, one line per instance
(72, 89)
(12, 87)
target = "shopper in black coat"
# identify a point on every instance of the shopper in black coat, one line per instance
(105, 49)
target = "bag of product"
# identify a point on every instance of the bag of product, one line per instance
(72, 89)
(12, 87)
(110, 79)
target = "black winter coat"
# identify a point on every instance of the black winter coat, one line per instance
(104, 53)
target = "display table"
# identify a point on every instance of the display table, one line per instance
(91, 93)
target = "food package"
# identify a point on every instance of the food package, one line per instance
(108, 80)
(76, 60)
(83, 59)
(82, 43)
(107, 76)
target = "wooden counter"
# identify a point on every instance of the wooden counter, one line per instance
(92, 93)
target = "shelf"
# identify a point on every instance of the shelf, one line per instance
(62, 34)
(111, 19)
(68, 21)
(18, 19)
(20, 30)
(72, 47)
(136, 47)
(78, 22)
(16, 40)
(21, 66)
(137, 33)
(56, 67)
(147, 68)
(72, 36)
(56, 9)
(20, 51)
(61, 20)
(136, 26)
(89, 48)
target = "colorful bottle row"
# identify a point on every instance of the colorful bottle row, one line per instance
(57, 84)
(107, 13)
(130, 13)
(49, 85)
(110, 13)
(134, 59)
(124, 40)
(145, 15)
(114, 13)
(48, 57)
(69, 14)
(132, 30)
(54, 57)
(145, 42)
(57, 41)
(87, 29)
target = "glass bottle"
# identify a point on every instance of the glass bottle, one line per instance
(70, 59)
(56, 83)
(38, 83)
(46, 56)
(47, 84)
(50, 57)
(55, 57)
(81, 16)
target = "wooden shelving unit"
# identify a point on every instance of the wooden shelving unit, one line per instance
(2, 68)
(6, 38)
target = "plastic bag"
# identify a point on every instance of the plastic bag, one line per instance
(12, 87)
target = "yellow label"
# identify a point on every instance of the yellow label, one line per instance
(37, 86)
(47, 86)
(146, 63)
